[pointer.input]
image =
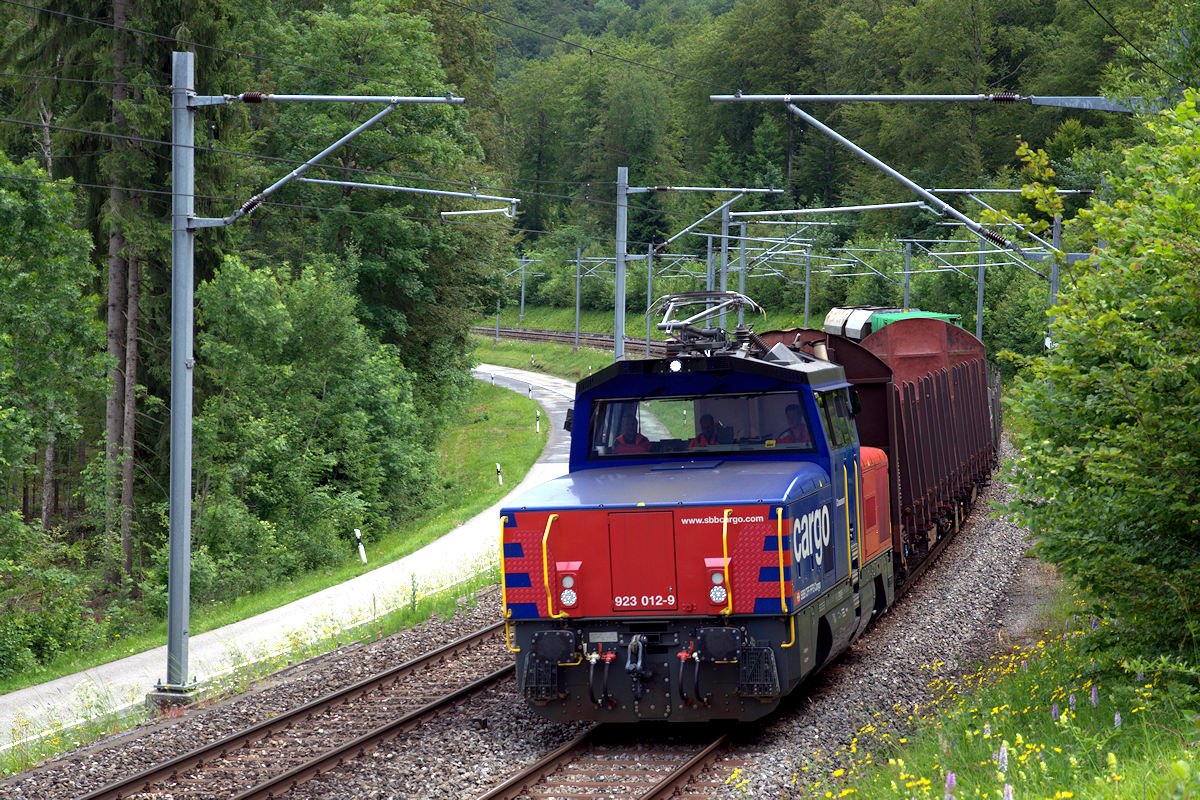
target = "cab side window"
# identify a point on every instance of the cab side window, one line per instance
(835, 414)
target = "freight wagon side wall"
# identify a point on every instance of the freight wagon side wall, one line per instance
(942, 419)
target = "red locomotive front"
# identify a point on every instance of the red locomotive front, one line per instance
(719, 536)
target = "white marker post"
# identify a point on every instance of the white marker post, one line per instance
(362, 552)
(538, 424)
(499, 477)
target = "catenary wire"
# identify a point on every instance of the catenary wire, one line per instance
(301, 206)
(294, 162)
(238, 54)
(1126, 38)
(213, 48)
(82, 80)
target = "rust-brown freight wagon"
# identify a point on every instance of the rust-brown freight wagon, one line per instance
(927, 401)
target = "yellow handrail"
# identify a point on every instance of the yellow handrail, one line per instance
(782, 587)
(546, 571)
(782, 584)
(725, 559)
(504, 590)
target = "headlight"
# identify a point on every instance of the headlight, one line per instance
(718, 594)
(568, 581)
(718, 578)
(676, 365)
(568, 597)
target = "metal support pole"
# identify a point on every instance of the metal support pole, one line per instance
(709, 277)
(619, 294)
(741, 269)
(521, 315)
(807, 283)
(1057, 239)
(649, 292)
(183, 177)
(907, 270)
(578, 257)
(979, 290)
(724, 256)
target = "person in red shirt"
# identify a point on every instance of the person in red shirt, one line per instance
(797, 431)
(629, 440)
(708, 433)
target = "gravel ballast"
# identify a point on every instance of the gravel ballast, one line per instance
(982, 591)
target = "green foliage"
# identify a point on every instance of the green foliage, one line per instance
(307, 429)
(50, 342)
(1109, 474)
(41, 603)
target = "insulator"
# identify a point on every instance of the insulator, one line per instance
(996, 239)
(253, 97)
(1004, 97)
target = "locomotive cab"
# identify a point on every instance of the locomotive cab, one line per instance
(720, 534)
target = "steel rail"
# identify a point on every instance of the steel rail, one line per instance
(580, 746)
(216, 750)
(679, 777)
(278, 785)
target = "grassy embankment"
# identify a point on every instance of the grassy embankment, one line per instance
(495, 428)
(1046, 719)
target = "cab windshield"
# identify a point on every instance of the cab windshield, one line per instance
(687, 427)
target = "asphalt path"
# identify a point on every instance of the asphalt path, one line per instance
(121, 686)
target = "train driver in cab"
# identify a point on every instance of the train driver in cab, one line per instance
(708, 433)
(629, 440)
(797, 430)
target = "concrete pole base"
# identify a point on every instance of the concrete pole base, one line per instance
(164, 700)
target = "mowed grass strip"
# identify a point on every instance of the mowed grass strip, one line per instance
(551, 359)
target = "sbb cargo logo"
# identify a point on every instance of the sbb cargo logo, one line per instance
(810, 534)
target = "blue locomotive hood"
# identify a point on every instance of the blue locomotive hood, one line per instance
(678, 483)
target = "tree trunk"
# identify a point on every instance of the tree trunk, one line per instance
(117, 281)
(48, 467)
(130, 412)
(45, 117)
(48, 481)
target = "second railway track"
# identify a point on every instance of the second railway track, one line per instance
(273, 756)
(599, 341)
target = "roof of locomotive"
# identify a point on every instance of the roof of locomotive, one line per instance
(790, 368)
(703, 483)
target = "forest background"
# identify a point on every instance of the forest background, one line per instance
(332, 324)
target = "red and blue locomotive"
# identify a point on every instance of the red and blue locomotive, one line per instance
(733, 516)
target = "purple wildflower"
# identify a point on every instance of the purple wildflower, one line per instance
(987, 729)
(1095, 698)
(1003, 761)
(1071, 700)
(1008, 791)
(1117, 720)
(1054, 712)
(951, 782)
(1095, 623)
(1141, 676)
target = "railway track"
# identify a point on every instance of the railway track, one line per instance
(598, 764)
(598, 341)
(280, 753)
